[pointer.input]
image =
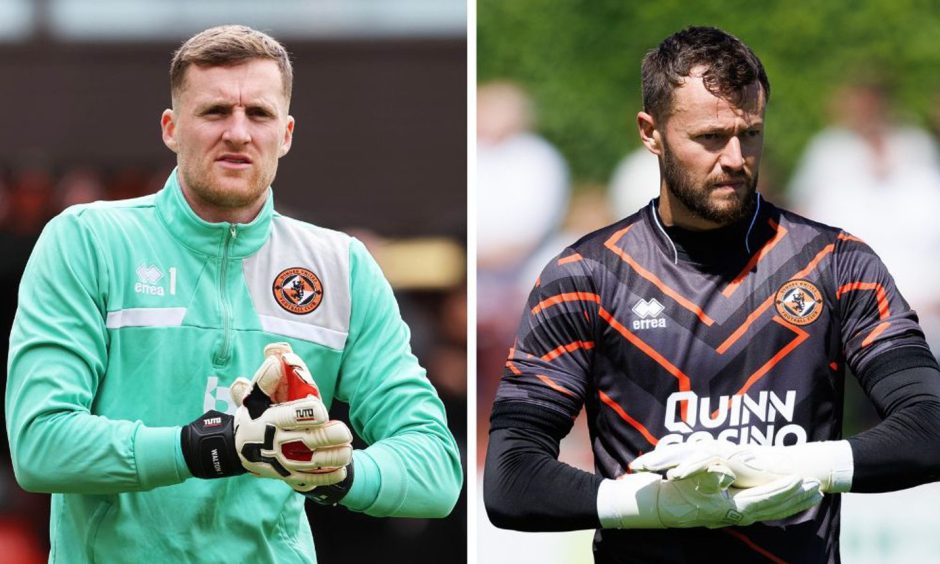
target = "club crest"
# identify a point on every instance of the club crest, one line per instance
(298, 290)
(799, 301)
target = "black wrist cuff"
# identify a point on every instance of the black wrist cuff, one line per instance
(331, 495)
(209, 446)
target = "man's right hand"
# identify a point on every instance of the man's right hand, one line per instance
(703, 498)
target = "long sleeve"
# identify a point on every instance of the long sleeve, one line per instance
(886, 349)
(58, 355)
(546, 379)
(525, 486)
(903, 450)
(412, 467)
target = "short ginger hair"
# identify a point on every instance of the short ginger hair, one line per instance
(228, 45)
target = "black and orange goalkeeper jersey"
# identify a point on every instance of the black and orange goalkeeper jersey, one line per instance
(749, 343)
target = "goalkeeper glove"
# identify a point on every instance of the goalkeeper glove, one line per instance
(828, 462)
(702, 498)
(282, 428)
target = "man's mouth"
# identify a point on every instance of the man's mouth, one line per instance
(233, 159)
(730, 183)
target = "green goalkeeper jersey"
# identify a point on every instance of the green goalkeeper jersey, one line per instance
(134, 318)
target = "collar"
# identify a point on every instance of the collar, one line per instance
(723, 246)
(206, 238)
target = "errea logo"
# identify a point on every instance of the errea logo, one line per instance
(648, 312)
(148, 280)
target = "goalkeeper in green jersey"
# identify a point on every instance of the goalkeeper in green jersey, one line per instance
(127, 396)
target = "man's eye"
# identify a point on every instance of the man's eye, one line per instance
(709, 136)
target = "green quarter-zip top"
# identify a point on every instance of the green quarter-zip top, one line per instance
(223, 354)
(134, 318)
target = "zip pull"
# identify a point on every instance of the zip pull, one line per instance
(233, 231)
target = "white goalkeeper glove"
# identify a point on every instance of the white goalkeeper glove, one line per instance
(282, 428)
(828, 462)
(702, 498)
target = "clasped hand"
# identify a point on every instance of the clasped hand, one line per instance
(710, 484)
(282, 428)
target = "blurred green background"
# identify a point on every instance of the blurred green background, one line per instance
(580, 59)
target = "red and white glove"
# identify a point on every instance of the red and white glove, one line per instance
(282, 428)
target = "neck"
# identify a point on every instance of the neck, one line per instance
(718, 246)
(215, 214)
(674, 213)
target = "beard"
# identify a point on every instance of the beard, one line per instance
(227, 192)
(697, 198)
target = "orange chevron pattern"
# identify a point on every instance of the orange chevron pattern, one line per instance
(567, 297)
(883, 310)
(779, 233)
(570, 347)
(753, 546)
(553, 385)
(683, 379)
(570, 258)
(623, 415)
(681, 300)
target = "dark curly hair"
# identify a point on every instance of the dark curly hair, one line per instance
(730, 67)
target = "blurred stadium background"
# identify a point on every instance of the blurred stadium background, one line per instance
(380, 150)
(851, 139)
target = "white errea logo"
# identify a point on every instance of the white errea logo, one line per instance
(648, 312)
(212, 421)
(148, 278)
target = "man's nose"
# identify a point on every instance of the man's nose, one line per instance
(237, 131)
(732, 157)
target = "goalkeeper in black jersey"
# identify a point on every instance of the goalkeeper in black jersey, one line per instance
(708, 337)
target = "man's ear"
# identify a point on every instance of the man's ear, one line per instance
(288, 137)
(168, 126)
(649, 133)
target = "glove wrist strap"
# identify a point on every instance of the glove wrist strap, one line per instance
(331, 495)
(208, 445)
(831, 462)
(632, 502)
